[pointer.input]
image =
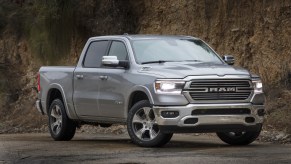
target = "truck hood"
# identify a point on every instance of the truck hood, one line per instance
(182, 70)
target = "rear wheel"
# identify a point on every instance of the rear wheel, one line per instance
(60, 126)
(143, 128)
(239, 138)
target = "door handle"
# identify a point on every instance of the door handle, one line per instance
(103, 77)
(79, 76)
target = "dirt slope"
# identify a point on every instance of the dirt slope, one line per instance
(257, 33)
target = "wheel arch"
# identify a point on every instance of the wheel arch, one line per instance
(53, 93)
(56, 91)
(137, 94)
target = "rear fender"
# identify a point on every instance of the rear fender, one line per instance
(70, 111)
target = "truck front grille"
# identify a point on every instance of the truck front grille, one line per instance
(220, 89)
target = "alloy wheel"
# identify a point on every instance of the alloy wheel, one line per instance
(145, 125)
(56, 119)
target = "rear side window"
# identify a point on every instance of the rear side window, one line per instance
(118, 49)
(95, 53)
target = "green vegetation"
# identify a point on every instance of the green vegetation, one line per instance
(51, 29)
(47, 25)
(50, 25)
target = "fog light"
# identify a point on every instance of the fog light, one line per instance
(169, 114)
(191, 121)
(250, 119)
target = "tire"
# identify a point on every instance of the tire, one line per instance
(142, 127)
(239, 138)
(60, 126)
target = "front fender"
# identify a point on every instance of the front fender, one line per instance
(142, 89)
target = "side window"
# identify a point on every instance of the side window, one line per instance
(118, 49)
(95, 53)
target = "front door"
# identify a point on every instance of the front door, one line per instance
(113, 84)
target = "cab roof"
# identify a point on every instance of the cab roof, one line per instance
(142, 36)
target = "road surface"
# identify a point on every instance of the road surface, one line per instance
(102, 148)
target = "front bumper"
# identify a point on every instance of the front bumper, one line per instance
(210, 122)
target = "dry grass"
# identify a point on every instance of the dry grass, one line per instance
(279, 111)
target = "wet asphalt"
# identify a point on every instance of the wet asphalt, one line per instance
(110, 148)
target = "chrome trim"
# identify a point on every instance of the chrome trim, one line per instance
(187, 90)
(185, 112)
(217, 119)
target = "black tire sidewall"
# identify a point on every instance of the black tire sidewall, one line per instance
(68, 127)
(245, 139)
(161, 138)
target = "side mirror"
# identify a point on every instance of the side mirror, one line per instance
(112, 61)
(229, 59)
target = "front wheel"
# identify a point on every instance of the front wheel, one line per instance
(143, 128)
(239, 138)
(60, 126)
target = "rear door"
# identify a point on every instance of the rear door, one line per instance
(86, 80)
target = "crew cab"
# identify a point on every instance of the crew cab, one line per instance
(156, 85)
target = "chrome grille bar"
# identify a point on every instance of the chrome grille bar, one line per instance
(203, 89)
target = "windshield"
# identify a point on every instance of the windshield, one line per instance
(173, 50)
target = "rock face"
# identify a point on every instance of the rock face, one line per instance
(255, 32)
(36, 33)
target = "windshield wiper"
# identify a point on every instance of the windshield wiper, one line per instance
(157, 61)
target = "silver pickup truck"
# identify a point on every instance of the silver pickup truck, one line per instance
(157, 86)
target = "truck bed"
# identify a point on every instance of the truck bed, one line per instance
(59, 77)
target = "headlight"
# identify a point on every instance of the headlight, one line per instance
(258, 86)
(169, 86)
